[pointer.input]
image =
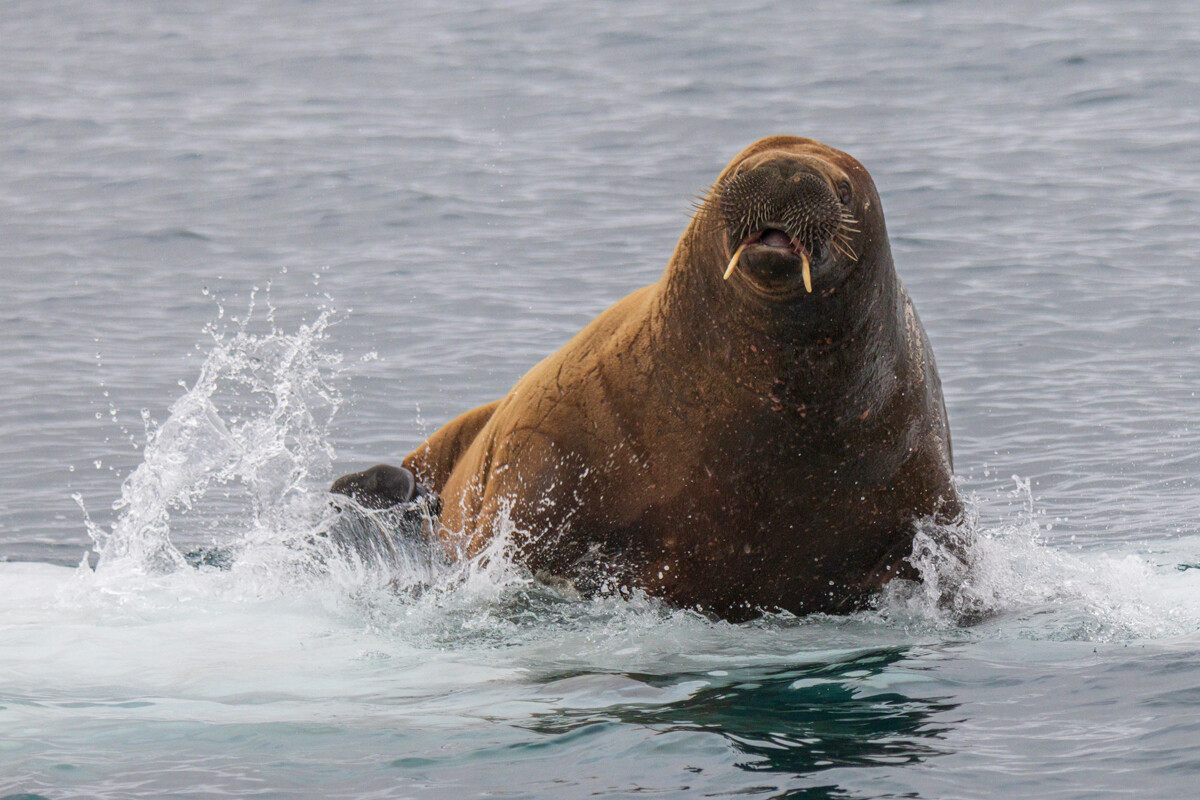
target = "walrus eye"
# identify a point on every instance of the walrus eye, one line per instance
(844, 193)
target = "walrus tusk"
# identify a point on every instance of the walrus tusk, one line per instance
(733, 261)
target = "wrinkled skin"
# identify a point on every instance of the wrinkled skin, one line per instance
(734, 445)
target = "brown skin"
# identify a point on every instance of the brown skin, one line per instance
(735, 445)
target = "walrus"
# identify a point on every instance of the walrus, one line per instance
(760, 430)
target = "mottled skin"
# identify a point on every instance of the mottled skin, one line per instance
(735, 444)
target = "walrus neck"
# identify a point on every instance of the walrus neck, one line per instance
(807, 356)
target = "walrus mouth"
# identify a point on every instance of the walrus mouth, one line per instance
(776, 239)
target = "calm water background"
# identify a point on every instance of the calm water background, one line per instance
(442, 193)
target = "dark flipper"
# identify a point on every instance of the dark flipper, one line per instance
(392, 519)
(381, 486)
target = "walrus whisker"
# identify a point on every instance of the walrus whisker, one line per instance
(811, 217)
(733, 262)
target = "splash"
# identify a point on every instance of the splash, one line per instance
(237, 454)
(1005, 579)
(229, 503)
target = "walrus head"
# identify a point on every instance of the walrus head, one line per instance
(789, 216)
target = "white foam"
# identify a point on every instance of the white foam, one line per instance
(1007, 575)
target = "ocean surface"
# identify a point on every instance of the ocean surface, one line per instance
(249, 246)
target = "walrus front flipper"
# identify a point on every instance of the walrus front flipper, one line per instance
(434, 460)
(390, 522)
(381, 486)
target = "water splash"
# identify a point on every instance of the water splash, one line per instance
(1005, 579)
(238, 451)
(229, 503)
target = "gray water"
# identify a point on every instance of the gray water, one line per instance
(247, 247)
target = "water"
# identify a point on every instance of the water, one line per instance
(248, 247)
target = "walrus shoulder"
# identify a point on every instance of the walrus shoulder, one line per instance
(562, 397)
(435, 459)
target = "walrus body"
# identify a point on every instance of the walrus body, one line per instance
(763, 440)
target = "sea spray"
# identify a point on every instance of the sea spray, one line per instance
(230, 501)
(241, 448)
(1002, 578)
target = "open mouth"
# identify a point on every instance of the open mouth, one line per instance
(775, 239)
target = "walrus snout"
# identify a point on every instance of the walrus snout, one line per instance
(799, 200)
(787, 212)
